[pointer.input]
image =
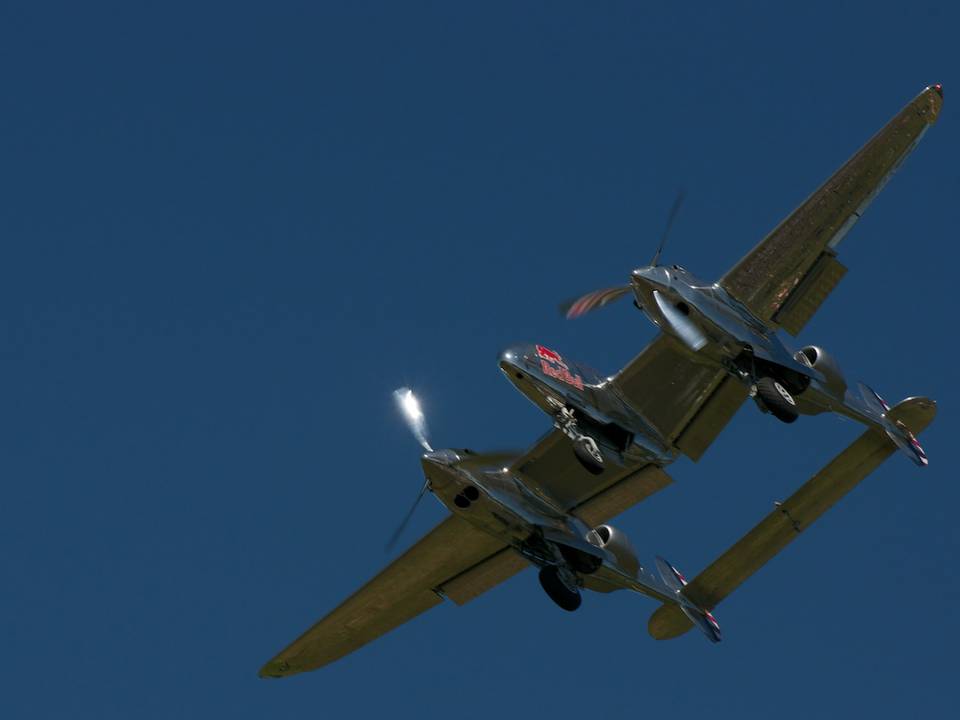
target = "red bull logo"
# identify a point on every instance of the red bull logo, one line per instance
(553, 366)
(545, 353)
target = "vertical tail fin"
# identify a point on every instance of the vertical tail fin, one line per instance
(671, 577)
(703, 619)
(896, 429)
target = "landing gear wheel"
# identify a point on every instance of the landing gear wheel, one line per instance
(777, 399)
(553, 586)
(589, 455)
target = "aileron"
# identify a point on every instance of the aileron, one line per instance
(767, 277)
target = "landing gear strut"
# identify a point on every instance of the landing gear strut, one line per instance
(584, 446)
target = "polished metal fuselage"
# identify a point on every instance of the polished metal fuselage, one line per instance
(742, 343)
(729, 326)
(507, 508)
(551, 384)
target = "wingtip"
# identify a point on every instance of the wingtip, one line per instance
(930, 102)
(274, 669)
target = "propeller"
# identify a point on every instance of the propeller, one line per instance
(580, 306)
(666, 230)
(406, 518)
(409, 407)
(413, 416)
(688, 332)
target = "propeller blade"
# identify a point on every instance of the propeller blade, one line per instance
(406, 519)
(410, 409)
(666, 231)
(686, 330)
(577, 307)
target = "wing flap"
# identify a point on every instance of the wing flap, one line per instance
(817, 284)
(498, 568)
(712, 418)
(551, 468)
(768, 276)
(667, 385)
(635, 487)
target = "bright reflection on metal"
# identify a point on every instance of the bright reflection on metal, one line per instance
(682, 325)
(410, 409)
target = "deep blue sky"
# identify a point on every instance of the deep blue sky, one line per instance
(229, 231)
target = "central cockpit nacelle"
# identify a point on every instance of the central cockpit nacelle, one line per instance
(544, 367)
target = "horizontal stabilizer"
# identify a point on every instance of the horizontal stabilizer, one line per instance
(668, 622)
(789, 519)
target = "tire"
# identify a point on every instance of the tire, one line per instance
(564, 597)
(777, 399)
(583, 449)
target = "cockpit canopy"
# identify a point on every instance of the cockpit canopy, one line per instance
(678, 272)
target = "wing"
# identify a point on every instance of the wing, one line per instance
(687, 401)
(782, 526)
(400, 592)
(785, 278)
(453, 560)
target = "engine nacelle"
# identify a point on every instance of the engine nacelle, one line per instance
(820, 359)
(617, 542)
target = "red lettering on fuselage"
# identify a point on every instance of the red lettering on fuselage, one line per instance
(562, 374)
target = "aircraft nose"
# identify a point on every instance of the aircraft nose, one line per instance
(444, 458)
(439, 468)
(651, 275)
(511, 359)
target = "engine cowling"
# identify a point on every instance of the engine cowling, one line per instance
(617, 542)
(819, 359)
